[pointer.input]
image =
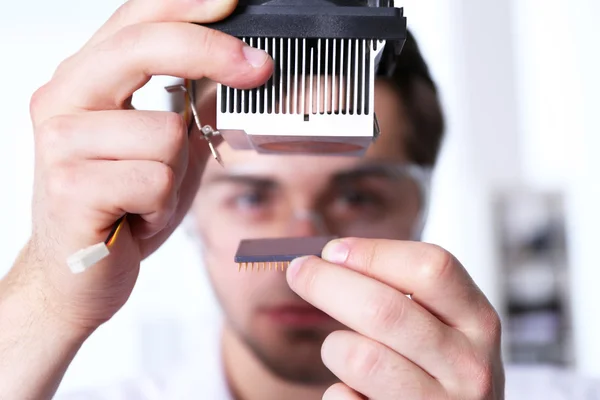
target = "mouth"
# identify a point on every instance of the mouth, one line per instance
(296, 315)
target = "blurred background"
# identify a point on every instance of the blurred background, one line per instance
(516, 195)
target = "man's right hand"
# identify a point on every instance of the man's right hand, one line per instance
(97, 159)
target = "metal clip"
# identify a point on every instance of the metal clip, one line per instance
(376, 129)
(207, 131)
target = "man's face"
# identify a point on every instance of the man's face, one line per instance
(266, 196)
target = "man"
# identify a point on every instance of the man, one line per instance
(96, 159)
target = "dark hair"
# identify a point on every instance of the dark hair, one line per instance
(409, 74)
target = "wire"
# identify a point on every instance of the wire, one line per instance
(112, 236)
(118, 225)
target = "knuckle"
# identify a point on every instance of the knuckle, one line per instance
(164, 179)
(476, 376)
(491, 325)
(61, 183)
(367, 254)
(364, 254)
(442, 339)
(369, 259)
(126, 12)
(458, 356)
(482, 383)
(66, 65)
(492, 322)
(364, 359)
(127, 39)
(38, 99)
(437, 263)
(175, 131)
(307, 277)
(52, 132)
(209, 39)
(384, 312)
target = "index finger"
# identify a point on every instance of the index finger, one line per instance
(140, 11)
(104, 78)
(433, 277)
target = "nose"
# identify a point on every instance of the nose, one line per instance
(307, 223)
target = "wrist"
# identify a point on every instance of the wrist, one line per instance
(29, 315)
(26, 300)
(35, 347)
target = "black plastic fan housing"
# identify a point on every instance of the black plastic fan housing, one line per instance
(312, 19)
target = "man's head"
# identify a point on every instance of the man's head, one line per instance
(263, 196)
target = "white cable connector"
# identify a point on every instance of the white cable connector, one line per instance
(85, 258)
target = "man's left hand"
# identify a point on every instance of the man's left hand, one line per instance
(442, 343)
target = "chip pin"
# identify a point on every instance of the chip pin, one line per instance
(274, 265)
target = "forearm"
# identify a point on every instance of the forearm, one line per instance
(35, 349)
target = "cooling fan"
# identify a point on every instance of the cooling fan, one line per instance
(320, 97)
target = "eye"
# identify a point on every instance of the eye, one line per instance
(252, 199)
(358, 198)
(356, 204)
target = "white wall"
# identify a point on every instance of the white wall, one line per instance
(560, 96)
(520, 81)
(519, 112)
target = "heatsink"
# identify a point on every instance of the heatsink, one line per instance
(320, 98)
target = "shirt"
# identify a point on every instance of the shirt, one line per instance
(199, 378)
(203, 378)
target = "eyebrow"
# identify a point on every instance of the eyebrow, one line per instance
(344, 177)
(249, 180)
(365, 171)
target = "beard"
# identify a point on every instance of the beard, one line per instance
(295, 358)
(291, 354)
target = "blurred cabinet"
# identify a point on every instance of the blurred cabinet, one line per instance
(534, 273)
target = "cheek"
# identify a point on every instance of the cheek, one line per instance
(220, 247)
(219, 250)
(237, 292)
(232, 289)
(231, 286)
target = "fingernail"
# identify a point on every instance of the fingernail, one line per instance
(255, 57)
(294, 267)
(336, 252)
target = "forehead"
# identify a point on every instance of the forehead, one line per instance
(388, 148)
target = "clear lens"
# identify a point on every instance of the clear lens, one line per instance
(388, 204)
